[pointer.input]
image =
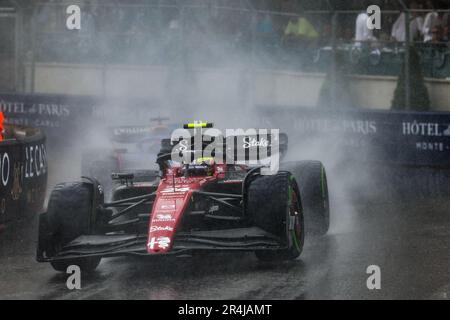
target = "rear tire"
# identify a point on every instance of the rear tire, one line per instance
(273, 204)
(312, 179)
(69, 216)
(100, 164)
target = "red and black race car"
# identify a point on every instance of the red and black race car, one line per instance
(129, 149)
(198, 206)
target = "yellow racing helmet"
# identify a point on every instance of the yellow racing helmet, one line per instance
(205, 160)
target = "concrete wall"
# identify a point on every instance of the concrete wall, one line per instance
(218, 85)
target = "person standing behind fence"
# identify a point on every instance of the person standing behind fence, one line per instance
(362, 32)
(446, 33)
(301, 29)
(433, 20)
(88, 31)
(300, 38)
(415, 25)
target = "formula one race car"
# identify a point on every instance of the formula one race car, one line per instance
(131, 148)
(199, 205)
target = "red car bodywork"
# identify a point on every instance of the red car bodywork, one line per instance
(172, 198)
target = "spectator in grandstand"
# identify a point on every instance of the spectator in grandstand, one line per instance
(264, 25)
(300, 37)
(173, 39)
(437, 35)
(446, 17)
(398, 32)
(433, 20)
(87, 32)
(45, 16)
(265, 31)
(446, 33)
(325, 34)
(44, 22)
(300, 29)
(286, 6)
(346, 34)
(362, 32)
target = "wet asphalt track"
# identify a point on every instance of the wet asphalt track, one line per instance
(410, 242)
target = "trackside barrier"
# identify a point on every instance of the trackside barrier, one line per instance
(404, 138)
(23, 172)
(61, 117)
(381, 154)
(66, 119)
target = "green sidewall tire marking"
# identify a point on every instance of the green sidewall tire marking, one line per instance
(322, 181)
(294, 236)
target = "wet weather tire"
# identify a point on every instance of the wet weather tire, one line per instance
(312, 181)
(273, 204)
(69, 216)
(100, 164)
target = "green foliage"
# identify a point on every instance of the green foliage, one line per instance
(342, 86)
(419, 97)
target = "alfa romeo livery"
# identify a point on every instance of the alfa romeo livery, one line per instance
(197, 205)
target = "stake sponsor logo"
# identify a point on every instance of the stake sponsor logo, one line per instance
(160, 228)
(252, 142)
(252, 147)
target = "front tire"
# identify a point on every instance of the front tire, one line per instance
(273, 204)
(69, 215)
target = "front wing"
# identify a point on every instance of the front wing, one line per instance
(239, 239)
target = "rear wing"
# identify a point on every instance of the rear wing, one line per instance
(134, 134)
(234, 146)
